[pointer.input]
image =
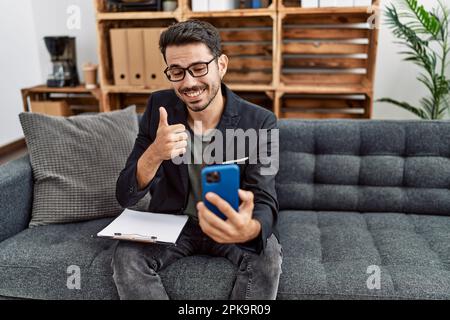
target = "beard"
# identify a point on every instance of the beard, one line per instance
(194, 107)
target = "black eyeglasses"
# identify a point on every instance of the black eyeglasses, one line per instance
(196, 70)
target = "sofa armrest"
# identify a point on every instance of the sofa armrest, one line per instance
(16, 194)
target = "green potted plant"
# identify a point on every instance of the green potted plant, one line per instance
(426, 37)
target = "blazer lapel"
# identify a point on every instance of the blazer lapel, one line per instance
(229, 120)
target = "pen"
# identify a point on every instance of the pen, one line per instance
(235, 161)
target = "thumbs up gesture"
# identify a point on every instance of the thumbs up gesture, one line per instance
(171, 140)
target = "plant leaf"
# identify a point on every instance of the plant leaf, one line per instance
(418, 112)
(428, 20)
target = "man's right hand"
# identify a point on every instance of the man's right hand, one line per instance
(170, 142)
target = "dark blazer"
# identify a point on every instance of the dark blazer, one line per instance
(169, 188)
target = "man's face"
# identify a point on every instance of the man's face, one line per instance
(196, 93)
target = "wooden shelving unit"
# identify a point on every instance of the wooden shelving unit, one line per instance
(298, 62)
(108, 16)
(78, 99)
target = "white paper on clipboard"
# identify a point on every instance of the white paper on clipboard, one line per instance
(145, 227)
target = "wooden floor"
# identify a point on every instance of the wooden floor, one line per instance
(13, 155)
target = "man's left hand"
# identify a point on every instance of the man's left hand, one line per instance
(238, 228)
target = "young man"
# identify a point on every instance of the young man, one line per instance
(198, 104)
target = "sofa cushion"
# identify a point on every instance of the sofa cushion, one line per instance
(332, 255)
(76, 162)
(34, 264)
(327, 255)
(365, 166)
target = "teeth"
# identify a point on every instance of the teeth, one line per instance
(194, 93)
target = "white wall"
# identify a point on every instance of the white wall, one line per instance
(51, 19)
(24, 59)
(395, 78)
(19, 64)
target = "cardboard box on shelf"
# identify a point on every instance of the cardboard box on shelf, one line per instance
(51, 108)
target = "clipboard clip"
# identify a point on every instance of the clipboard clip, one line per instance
(135, 236)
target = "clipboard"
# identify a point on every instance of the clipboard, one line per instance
(145, 227)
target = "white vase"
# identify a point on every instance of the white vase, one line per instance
(169, 5)
(223, 5)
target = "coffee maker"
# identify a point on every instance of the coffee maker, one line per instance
(63, 70)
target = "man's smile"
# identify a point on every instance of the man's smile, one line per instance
(194, 94)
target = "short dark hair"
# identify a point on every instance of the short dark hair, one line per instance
(191, 31)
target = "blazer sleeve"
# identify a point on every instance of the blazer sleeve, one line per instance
(260, 179)
(127, 191)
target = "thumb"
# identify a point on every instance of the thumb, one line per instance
(247, 200)
(163, 117)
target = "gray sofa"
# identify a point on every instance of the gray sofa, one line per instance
(358, 200)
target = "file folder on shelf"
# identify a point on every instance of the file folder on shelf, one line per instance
(154, 61)
(119, 49)
(136, 56)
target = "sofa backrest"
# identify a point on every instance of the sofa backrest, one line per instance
(16, 194)
(365, 166)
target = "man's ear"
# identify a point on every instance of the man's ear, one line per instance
(223, 65)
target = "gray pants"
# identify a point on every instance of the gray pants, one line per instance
(136, 265)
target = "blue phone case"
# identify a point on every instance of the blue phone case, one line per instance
(227, 187)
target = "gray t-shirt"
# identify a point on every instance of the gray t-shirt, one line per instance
(195, 168)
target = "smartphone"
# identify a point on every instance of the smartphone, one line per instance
(223, 180)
